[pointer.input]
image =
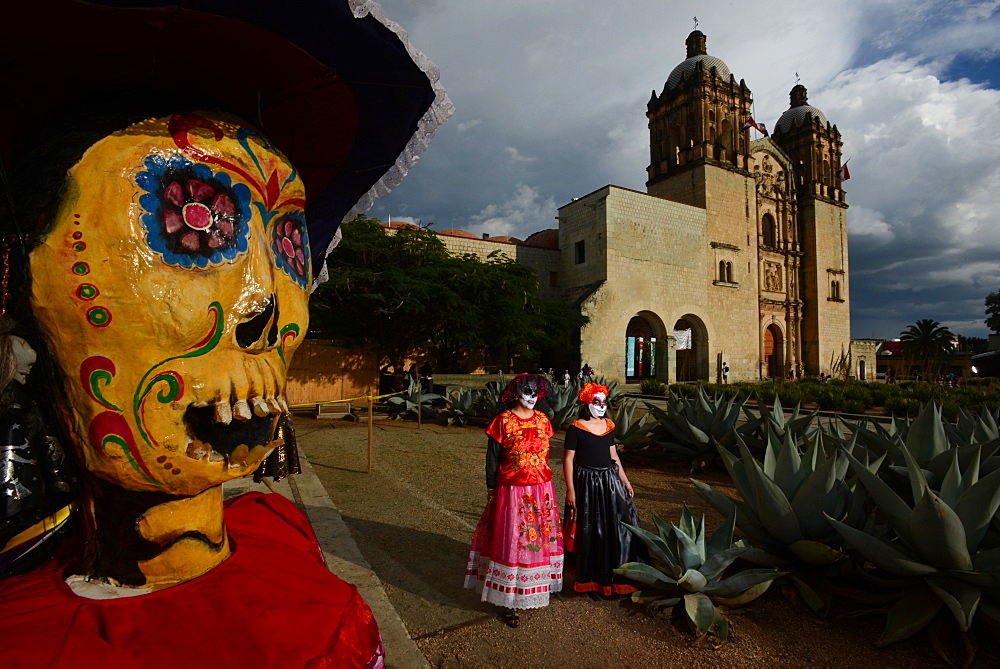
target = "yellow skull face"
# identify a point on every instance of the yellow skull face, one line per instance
(173, 291)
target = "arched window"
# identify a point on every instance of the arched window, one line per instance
(722, 270)
(726, 135)
(676, 141)
(729, 272)
(835, 290)
(769, 231)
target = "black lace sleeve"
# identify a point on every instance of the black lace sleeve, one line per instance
(492, 463)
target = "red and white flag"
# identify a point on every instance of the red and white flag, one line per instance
(843, 174)
(759, 127)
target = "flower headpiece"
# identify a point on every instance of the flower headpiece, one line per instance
(523, 382)
(589, 390)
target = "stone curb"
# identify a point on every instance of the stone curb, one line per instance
(343, 556)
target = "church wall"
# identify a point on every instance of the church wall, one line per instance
(826, 327)
(582, 221)
(657, 259)
(731, 210)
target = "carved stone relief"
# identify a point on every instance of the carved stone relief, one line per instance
(772, 276)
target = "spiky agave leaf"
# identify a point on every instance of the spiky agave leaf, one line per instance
(912, 613)
(881, 553)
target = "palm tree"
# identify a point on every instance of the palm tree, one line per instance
(926, 339)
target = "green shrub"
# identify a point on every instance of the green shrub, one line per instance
(902, 406)
(852, 406)
(684, 389)
(652, 387)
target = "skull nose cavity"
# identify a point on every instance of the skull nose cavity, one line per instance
(251, 332)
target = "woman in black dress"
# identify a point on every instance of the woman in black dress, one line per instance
(601, 495)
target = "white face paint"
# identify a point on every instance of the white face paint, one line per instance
(528, 398)
(598, 406)
(24, 357)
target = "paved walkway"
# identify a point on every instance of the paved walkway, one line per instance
(342, 556)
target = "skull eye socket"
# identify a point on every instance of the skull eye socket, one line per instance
(291, 246)
(194, 217)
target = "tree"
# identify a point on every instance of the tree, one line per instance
(927, 340)
(973, 345)
(993, 312)
(404, 291)
(386, 290)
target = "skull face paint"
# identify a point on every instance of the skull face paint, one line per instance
(598, 405)
(172, 290)
(24, 358)
(528, 398)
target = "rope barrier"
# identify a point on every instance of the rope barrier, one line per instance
(350, 399)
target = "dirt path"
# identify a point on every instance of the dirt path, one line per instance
(413, 518)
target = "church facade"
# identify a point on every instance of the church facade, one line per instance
(733, 265)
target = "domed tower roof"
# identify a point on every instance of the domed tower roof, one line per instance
(696, 53)
(796, 114)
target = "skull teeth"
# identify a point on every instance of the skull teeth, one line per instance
(241, 410)
(223, 412)
(259, 406)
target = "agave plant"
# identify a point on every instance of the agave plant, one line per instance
(783, 508)
(564, 403)
(936, 548)
(694, 427)
(462, 405)
(930, 442)
(405, 404)
(773, 420)
(489, 399)
(690, 568)
(627, 432)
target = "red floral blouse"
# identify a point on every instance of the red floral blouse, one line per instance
(524, 452)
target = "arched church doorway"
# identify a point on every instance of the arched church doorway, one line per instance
(773, 363)
(691, 342)
(640, 349)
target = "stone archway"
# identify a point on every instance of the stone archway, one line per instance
(692, 351)
(646, 347)
(773, 359)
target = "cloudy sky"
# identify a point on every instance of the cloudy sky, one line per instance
(551, 98)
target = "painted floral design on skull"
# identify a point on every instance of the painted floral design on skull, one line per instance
(195, 217)
(171, 302)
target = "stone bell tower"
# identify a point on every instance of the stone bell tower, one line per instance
(696, 120)
(814, 147)
(700, 156)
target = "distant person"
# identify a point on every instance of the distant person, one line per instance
(516, 559)
(599, 494)
(566, 379)
(585, 372)
(725, 372)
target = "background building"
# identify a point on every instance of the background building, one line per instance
(735, 257)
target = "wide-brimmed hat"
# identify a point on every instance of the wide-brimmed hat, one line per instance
(333, 83)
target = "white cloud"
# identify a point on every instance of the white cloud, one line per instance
(925, 164)
(516, 156)
(871, 224)
(468, 125)
(525, 210)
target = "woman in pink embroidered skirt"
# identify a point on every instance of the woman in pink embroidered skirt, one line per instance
(516, 560)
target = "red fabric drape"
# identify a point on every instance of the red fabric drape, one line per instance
(273, 603)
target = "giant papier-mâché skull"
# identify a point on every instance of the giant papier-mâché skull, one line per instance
(172, 291)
